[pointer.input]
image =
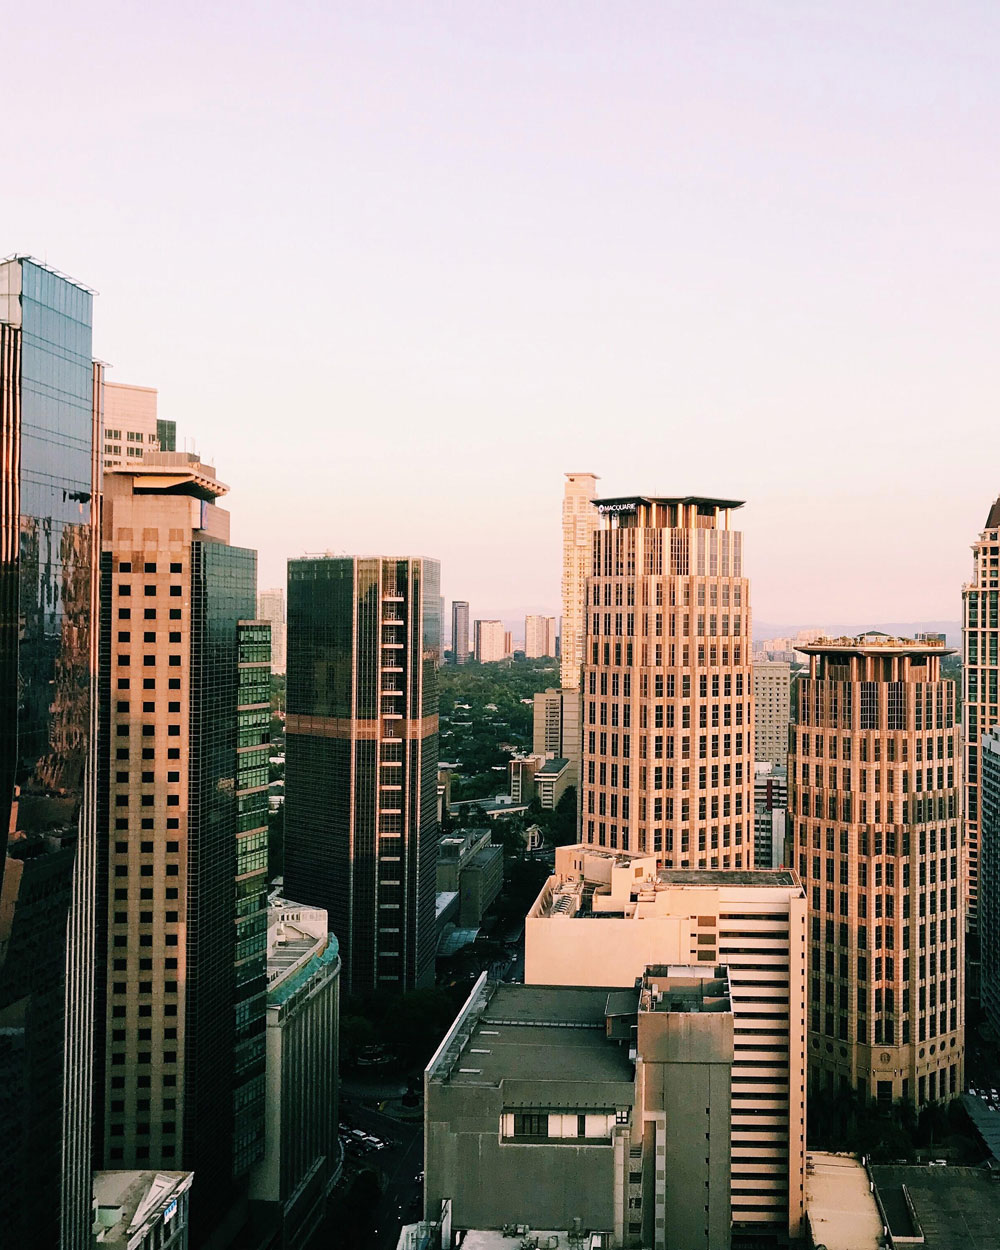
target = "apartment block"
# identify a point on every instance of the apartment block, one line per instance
(539, 636)
(668, 712)
(490, 643)
(771, 694)
(182, 862)
(603, 917)
(130, 423)
(587, 1108)
(875, 824)
(361, 731)
(271, 608)
(980, 634)
(579, 521)
(51, 396)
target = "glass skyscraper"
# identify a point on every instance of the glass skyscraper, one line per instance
(49, 483)
(361, 759)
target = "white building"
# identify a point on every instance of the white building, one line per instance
(141, 1210)
(271, 607)
(301, 1162)
(539, 636)
(490, 643)
(771, 693)
(129, 423)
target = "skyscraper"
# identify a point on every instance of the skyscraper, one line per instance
(579, 521)
(989, 876)
(874, 812)
(539, 636)
(980, 634)
(459, 631)
(50, 409)
(185, 696)
(667, 764)
(130, 424)
(362, 751)
(271, 608)
(771, 697)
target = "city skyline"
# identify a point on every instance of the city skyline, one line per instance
(727, 250)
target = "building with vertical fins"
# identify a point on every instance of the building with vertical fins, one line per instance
(668, 719)
(980, 632)
(459, 631)
(988, 928)
(50, 413)
(182, 856)
(361, 760)
(579, 521)
(874, 811)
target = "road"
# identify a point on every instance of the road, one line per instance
(397, 1166)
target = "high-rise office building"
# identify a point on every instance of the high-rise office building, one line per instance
(539, 636)
(490, 642)
(604, 916)
(579, 521)
(667, 764)
(130, 424)
(50, 482)
(459, 631)
(182, 921)
(980, 634)
(271, 608)
(874, 814)
(771, 694)
(362, 753)
(989, 876)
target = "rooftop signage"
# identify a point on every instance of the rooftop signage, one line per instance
(616, 507)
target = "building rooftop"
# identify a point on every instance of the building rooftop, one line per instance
(553, 766)
(956, 1208)
(173, 473)
(873, 643)
(615, 503)
(685, 989)
(128, 1201)
(841, 1210)
(777, 877)
(532, 1032)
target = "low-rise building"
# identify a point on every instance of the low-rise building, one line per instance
(587, 1108)
(603, 916)
(136, 1210)
(301, 1162)
(841, 1212)
(552, 781)
(770, 793)
(470, 866)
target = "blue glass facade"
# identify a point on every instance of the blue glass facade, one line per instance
(47, 501)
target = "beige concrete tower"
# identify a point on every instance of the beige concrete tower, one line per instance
(129, 424)
(667, 699)
(579, 521)
(771, 690)
(874, 811)
(980, 632)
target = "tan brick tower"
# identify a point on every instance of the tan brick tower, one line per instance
(667, 750)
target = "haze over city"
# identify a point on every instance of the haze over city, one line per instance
(395, 268)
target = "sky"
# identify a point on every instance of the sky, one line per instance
(396, 267)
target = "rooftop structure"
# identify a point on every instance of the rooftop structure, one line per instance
(840, 1210)
(939, 1208)
(141, 1210)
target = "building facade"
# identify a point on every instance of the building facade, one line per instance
(771, 696)
(980, 634)
(770, 808)
(874, 795)
(130, 423)
(667, 733)
(603, 917)
(302, 1157)
(50, 483)
(141, 1210)
(989, 875)
(539, 637)
(361, 759)
(459, 631)
(579, 521)
(182, 858)
(490, 643)
(271, 608)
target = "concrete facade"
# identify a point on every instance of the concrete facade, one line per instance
(587, 1107)
(470, 866)
(771, 694)
(602, 916)
(539, 637)
(579, 521)
(141, 1210)
(130, 431)
(271, 608)
(874, 810)
(667, 728)
(490, 642)
(459, 631)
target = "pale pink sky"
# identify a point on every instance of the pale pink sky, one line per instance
(397, 266)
